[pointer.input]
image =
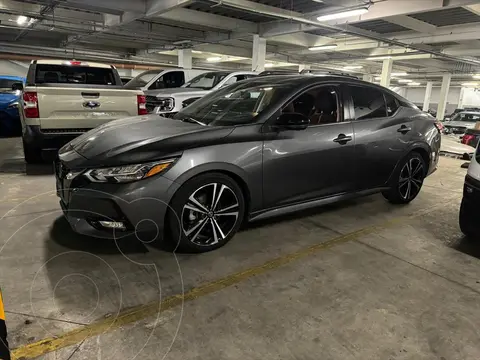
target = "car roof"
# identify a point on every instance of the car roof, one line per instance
(10, 77)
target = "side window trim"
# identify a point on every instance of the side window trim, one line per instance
(396, 102)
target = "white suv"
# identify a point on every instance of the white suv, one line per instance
(168, 102)
(469, 223)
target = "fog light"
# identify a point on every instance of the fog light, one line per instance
(112, 225)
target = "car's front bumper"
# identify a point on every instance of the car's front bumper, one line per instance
(141, 206)
(470, 206)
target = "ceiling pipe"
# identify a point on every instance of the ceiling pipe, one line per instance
(293, 16)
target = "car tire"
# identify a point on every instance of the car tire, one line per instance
(32, 155)
(464, 223)
(407, 179)
(210, 209)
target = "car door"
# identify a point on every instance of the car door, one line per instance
(383, 133)
(299, 165)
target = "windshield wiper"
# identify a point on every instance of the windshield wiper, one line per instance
(192, 120)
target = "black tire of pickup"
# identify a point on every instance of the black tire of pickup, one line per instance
(32, 154)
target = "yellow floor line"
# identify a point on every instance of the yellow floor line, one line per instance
(30, 351)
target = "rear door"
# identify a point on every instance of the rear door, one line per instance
(382, 133)
(80, 97)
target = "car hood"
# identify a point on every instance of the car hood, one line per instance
(7, 98)
(465, 124)
(176, 91)
(138, 139)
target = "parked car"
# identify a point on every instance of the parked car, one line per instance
(471, 137)
(162, 79)
(456, 111)
(125, 79)
(461, 121)
(63, 99)
(169, 102)
(471, 199)
(9, 103)
(255, 149)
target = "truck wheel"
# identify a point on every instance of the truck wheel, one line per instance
(32, 154)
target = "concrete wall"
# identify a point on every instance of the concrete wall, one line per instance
(12, 67)
(417, 95)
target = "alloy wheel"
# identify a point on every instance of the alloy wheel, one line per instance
(210, 214)
(411, 178)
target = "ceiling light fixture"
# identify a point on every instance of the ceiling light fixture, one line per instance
(343, 14)
(197, 52)
(404, 81)
(414, 84)
(353, 67)
(324, 47)
(21, 20)
(268, 65)
(477, 76)
(470, 84)
(399, 74)
(214, 59)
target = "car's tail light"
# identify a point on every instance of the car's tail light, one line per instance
(467, 138)
(439, 126)
(142, 105)
(30, 104)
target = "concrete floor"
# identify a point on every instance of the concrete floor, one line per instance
(407, 288)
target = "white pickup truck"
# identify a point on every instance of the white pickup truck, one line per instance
(63, 99)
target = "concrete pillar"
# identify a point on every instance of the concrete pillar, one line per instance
(428, 96)
(386, 72)
(461, 98)
(185, 58)
(258, 53)
(368, 77)
(302, 67)
(442, 103)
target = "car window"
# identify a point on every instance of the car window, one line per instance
(368, 103)
(466, 117)
(206, 81)
(143, 79)
(236, 104)
(320, 105)
(174, 79)
(392, 104)
(68, 74)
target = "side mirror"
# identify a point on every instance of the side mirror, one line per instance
(17, 86)
(292, 121)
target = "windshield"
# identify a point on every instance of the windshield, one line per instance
(466, 117)
(143, 79)
(6, 85)
(206, 81)
(236, 104)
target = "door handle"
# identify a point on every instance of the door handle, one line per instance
(404, 129)
(342, 139)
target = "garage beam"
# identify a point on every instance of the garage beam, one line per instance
(442, 103)
(411, 23)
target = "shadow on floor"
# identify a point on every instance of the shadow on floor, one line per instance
(18, 166)
(468, 246)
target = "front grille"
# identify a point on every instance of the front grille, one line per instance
(65, 131)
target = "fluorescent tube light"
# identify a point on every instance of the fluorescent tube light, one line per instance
(343, 14)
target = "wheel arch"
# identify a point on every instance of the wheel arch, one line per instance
(420, 148)
(234, 172)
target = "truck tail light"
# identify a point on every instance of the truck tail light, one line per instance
(142, 105)
(467, 138)
(30, 104)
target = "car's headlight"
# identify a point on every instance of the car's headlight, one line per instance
(166, 104)
(128, 173)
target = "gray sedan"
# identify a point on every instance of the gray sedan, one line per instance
(258, 148)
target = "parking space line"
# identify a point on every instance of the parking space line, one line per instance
(141, 312)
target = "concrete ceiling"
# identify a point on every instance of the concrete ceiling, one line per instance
(425, 38)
